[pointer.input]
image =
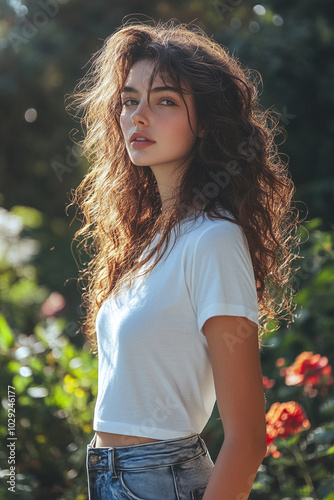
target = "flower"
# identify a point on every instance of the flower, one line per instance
(284, 420)
(268, 383)
(309, 370)
(280, 362)
(53, 305)
(271, 447)
(16, 249)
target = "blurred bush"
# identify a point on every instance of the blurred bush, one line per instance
(297, 362)
(55, 382)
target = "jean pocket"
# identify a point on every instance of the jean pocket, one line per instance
(198, 494)
(148, 483)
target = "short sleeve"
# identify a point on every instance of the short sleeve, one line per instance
(222, 278)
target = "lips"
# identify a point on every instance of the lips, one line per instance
(140, 135)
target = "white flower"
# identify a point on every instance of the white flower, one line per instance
(15, 249)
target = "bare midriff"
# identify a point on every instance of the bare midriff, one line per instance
(105, 439)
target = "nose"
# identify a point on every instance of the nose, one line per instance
(141, 114)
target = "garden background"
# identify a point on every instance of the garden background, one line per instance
(44, 48)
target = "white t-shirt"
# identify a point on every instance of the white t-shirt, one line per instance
(155, 377)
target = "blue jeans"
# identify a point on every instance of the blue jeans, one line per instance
(171, 469)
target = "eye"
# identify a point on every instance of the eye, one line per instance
(168, 102)
(129, 102)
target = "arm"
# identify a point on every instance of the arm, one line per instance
(235, 358)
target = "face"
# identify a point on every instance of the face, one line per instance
(158, 135)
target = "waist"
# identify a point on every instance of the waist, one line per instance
(108, 439)
(164, 452)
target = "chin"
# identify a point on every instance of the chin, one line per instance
(139, 163)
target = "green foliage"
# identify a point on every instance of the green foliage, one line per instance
(55, 382)
(307, 459)
(55, 389)
(7, 337)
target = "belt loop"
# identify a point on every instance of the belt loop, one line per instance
(202, 442)
(114, 474)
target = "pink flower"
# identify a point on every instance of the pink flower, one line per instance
(53, 305)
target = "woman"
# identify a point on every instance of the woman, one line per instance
(189, 228)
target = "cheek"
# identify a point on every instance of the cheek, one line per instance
(179, 129)
(123, 123)
(183, 134)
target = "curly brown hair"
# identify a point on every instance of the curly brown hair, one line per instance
(235, 166)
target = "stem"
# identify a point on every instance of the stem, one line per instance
(279, 475)
(301, 462)
(308, 407)
(281, 480)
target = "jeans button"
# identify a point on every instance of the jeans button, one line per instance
(94, 459)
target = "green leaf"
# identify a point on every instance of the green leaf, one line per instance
(313, 223)
(325, 276)
(21, 383)
(329, 497)
(13, 366)
(6, 335)
(31, 217)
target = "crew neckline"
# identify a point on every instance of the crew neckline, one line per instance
(201, 216)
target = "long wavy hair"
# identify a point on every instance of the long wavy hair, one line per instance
(235, 165)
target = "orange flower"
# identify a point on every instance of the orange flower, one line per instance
(283, 420)
(268, 383)
(273, 451)
(309, 370)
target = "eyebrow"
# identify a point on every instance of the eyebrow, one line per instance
(155, 90)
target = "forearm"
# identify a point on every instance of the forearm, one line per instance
(234, 472)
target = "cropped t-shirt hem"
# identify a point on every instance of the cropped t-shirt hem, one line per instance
(220, 309)
(140, 430)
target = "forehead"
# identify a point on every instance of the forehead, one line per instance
(141, 72)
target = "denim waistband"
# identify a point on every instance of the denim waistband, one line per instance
(157, 453)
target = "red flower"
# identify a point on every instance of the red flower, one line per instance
(268, 383)
(309, 370)
(283, 420)
(271, 447)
